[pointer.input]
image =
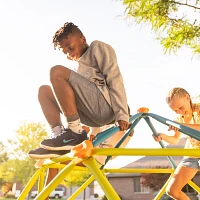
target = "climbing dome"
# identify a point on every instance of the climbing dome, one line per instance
(86, 154)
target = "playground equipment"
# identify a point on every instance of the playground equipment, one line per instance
(98, 172)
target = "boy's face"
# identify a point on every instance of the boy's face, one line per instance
(74, 46)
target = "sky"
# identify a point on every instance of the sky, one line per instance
(27, 54)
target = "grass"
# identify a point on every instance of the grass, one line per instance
(16, 198)
(7, 199)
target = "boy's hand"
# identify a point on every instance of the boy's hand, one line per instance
(123, 125)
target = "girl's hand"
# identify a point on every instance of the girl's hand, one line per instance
(172, 128)
(158, 138)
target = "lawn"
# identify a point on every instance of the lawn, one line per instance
(6, 199)
(16, 198)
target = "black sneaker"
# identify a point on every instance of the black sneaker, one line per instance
(41, 153)
(65, 141)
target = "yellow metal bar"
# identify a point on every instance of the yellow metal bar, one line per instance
(57, 180)
(101, 179)
(194, 186)
(41, 180)
(80, 189)
(162, 191)
(61, 158)
(138, 170)
(58, 159)
(29, 185)
(91, 164)
(145, 152)
(60, 166)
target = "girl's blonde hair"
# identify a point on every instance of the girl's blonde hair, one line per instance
(177, 92)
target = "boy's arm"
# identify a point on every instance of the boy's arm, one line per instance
(107, 63)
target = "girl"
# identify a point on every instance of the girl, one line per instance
(188, 113)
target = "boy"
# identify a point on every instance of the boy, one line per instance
(94, 95)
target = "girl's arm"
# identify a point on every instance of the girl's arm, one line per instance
(169, 139)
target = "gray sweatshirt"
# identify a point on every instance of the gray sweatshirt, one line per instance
(99, 65)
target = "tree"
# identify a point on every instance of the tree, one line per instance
(19, 167)
(3, 153)
(76, 178)
(175, 22)
(28, 137)
(155, 181)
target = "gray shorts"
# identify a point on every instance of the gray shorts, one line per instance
(93, 108)
(191, 163)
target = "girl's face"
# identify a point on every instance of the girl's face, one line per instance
(181, 105)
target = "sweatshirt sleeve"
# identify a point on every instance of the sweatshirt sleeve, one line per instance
(107, 63)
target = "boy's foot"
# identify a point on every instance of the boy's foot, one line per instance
(41, 153)
(65, 141)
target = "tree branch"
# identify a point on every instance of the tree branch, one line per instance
(184, 4)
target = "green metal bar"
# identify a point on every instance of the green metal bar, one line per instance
(57, 180)
(80, 189)
(101, 179)
(29, 185)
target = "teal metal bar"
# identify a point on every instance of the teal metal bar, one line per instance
(104, 135)
(123, 138)
(184, 129)
(161, 143)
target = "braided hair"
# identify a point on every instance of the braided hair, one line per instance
(63, 32)
(177, 92)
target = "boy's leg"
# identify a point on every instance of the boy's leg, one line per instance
(77, 97)
(64, 93)
(51, 111)
(49, 106)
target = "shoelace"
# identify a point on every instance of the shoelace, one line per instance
(60, 135)
(105, 144)
(55, 131)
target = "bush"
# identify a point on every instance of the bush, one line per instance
(10, 196)
(96, 195)
(105, 198)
